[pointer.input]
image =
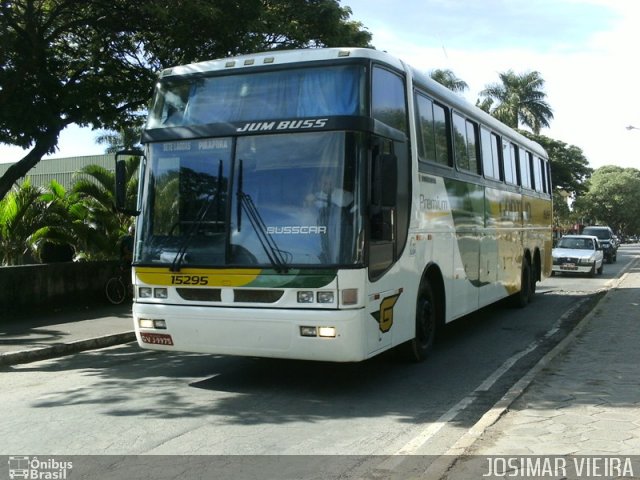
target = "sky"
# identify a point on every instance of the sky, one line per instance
(587, 52)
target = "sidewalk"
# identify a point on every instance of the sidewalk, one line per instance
(582, 399)
(46, 335)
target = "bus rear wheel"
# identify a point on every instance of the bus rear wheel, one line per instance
(417, 349)
(521, 298)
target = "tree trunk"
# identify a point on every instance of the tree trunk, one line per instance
(45, 144)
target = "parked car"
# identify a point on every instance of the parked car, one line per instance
(607, 239)
(578, 254)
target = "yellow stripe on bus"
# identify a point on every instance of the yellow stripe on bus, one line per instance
(200, 277)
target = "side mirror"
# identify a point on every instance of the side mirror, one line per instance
(121, 181)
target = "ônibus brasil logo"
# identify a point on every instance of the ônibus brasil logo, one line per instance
(38, 469)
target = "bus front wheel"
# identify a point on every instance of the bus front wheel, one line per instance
(417, 349)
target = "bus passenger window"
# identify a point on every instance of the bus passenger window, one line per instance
(525, 167)
(472, 152)
(441, 138)
(460, 142)
(510, 174)
(538, 176)
(426, 133)
(490, 157)
(464, 141)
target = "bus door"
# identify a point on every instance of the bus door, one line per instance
(388, 204)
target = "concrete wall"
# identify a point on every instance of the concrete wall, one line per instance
(34, 287)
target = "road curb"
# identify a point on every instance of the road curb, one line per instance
(62, 349)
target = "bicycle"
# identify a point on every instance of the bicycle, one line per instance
(117, 288)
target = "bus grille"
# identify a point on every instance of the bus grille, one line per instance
(239, 295)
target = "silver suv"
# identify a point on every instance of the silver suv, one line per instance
(607, 239)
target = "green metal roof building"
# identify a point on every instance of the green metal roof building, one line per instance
(63, 170)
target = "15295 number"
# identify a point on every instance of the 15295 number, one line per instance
(189, 280)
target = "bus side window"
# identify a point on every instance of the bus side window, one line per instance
(488, 165)
(388, 102)
(538, 176)
(508, 164)
(525, 168)
(440, 114)
(460, 142)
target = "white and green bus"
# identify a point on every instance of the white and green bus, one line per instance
(327, 204)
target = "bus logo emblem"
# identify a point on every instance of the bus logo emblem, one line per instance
(384, 316)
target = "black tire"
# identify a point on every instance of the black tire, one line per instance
(521, 298)
(417, 349)
(534, 282)
(592, 273)
(600, 270)
(116, 290)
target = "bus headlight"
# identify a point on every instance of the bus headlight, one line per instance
(305, 297)
(145, 292)
(160, 293)
(325, 297)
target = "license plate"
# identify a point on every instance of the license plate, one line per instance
(156, 338)
(568, 266)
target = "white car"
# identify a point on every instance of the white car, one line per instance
(578, 254)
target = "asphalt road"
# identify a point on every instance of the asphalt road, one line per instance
(126, 401)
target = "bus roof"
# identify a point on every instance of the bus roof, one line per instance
(280, 57)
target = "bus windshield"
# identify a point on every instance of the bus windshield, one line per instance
(298, 93)
(268, 201)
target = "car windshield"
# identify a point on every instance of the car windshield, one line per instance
(601, 233)
(576, 243)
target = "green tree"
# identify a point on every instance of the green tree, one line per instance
(612, 199)
(94, 62)
(20, 218)
(449, 79)
(519, 99)
(570, 169)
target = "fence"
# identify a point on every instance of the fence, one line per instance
(28, 288)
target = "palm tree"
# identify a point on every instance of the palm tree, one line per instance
(126, 138)
(95, 186)
(20, 217)
(520, 99)
(449, 79)
(66, 215)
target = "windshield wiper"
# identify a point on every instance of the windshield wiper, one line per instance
(246, 204)
(200, 216)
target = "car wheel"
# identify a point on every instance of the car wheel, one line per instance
(592, 273)
(601, 268)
